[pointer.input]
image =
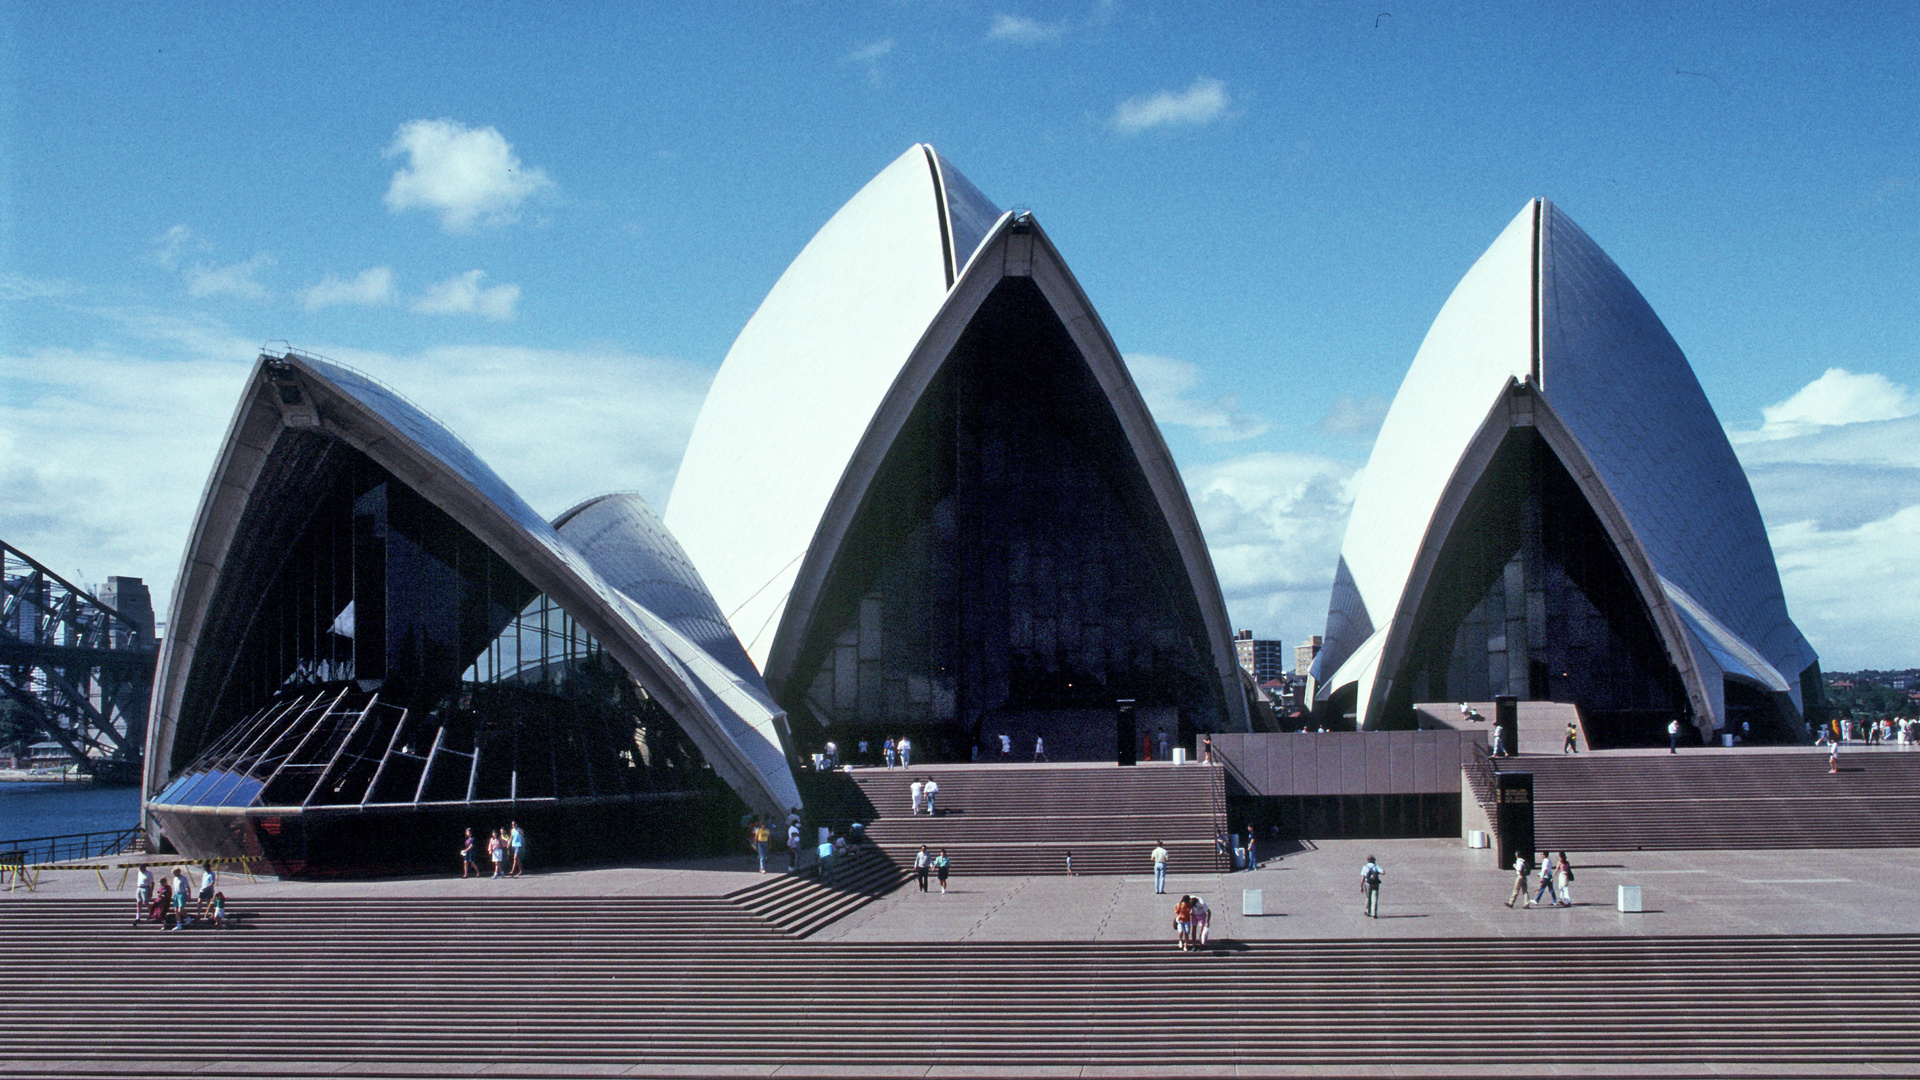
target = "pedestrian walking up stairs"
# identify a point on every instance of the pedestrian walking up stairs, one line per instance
(798, 905)
(1757, 798)
(522, 986)
(1023, 819)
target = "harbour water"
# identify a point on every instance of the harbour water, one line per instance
(30, 809)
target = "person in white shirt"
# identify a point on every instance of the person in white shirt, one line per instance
(1039, 748)
(1159, 867)
(932, 789)
(906, 753)
(919, 789)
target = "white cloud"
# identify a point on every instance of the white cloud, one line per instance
(373, 287)
(1202, 103)
(1838, 483)
(1165, 383)
(468, 175)
(1021, 30)
(1838, 397)
(463, 294)
(1353, 417)
(869, 53)
(234, 279)
(1273, 524)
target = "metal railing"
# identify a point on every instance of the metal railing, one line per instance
(69, 846)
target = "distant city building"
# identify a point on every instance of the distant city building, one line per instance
(1264, 660)
(1304, 654)
(1552, 511)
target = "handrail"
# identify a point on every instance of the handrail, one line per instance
(68, 846)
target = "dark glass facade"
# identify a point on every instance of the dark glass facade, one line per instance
(380, 679)
(1530, 598)
(1009, 570)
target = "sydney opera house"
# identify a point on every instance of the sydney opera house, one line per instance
(1553, 512)
(925, 498)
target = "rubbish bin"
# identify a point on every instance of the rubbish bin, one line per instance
(1179, 755)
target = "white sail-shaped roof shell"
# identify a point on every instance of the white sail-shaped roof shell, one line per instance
(827, 372)
(736, 731)
(792, 399)
(1545, 307)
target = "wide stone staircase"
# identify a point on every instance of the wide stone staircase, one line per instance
(1023, 819)
(1717, 799)
(654, 986)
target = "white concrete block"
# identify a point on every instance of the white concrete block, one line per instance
(1253, 901)
(1629, 898)
(1477, 838)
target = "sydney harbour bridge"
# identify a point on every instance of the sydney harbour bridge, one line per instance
(76, 668)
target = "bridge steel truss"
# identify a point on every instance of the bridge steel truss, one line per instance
(80, 671)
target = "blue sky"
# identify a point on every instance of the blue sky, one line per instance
(545, 225)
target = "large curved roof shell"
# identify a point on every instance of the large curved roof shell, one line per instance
(827, 374)
(290, 398)
(793, 397)
(1546, 309)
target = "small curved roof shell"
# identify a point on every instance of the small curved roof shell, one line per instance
(1546, 332)
(829, 370)
(724, 710)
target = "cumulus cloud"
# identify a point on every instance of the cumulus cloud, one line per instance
(1273, 524)
(1353, 417)
(373, 287)
(467, 175)
(1020, 30)
(464, 294)
(1836, 398)
(1836, 471)
(1166, 383)
(234, 279)
(1202, 103)
(160, 390)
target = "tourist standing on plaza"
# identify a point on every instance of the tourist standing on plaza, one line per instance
(793, 845)
(906, 753)
(919, 789)
(762, 840)
(1039, 748)
(518, 840)
(1519, 877)
(1563, 880)
(1370, 876)
(891, 751)
(1206, 749)
(1572, 746)
(1006, 745)
(1499, 742)
(940, 867)
(1183, 923)
(1833, 758)
(1673, 735)
(1166, 744)
(933, 788)
(922, 863)
(496, 852)
(1253, 861)
(1070, 870)
(1159, 867)
(142, 894)
(467, 865)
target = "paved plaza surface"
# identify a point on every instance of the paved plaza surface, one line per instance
(1434, 888)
